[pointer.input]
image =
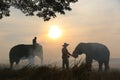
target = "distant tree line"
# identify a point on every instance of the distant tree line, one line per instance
(45, 9)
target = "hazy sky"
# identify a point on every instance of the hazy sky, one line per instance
(89, 21)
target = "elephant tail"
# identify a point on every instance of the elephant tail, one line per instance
(108, 54)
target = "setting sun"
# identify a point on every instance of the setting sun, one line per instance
(54, 32)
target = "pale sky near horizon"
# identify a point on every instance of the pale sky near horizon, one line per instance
(89, 21)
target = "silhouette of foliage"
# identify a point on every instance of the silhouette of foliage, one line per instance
(41, 8)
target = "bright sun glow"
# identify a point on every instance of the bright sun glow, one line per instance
(54, 32)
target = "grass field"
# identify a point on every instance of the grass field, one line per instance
(55, 73)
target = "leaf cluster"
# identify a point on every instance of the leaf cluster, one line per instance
(45, 9)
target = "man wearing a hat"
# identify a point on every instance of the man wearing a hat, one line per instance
(65, 56)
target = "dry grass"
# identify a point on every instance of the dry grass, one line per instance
(55, 73)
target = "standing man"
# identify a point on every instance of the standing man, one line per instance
(65, 56)
(34, 41)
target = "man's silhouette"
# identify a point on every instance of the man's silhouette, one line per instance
(65, 56)
(34, 41)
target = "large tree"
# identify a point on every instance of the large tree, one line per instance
(41, 8)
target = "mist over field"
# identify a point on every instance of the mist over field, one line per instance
(94, 21)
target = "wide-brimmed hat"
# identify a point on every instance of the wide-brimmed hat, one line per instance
(65, 44)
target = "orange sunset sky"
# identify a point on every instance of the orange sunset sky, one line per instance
(89, 21)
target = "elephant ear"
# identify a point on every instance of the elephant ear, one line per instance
(83, 47)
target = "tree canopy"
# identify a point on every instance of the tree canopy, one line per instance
(45, 9)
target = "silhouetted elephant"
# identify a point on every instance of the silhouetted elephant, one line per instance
(22, 51)
(96, 51)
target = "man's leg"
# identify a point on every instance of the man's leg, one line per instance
(67, 63)
(63, 64)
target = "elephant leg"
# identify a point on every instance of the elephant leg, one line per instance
(31, 60)
(17, 61)
(106, 66)
(41, 57)
(100, 66)
(11, 64)
(89, 63)
(42, 60)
